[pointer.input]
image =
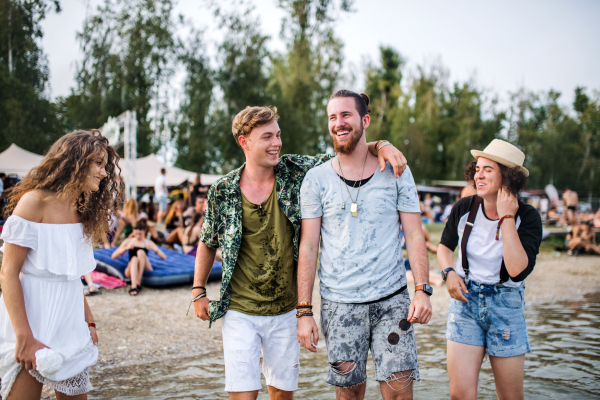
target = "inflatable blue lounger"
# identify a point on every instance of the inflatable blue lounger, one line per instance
(177, 269)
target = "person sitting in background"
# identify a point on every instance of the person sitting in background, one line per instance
(174, 218)
(143, 211)
(582, 240)
(553, 216)
(187, 235)
(138, 247)
(128, 218)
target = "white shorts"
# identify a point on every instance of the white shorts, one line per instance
(244, 336)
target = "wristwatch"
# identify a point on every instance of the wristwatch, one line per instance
(445, 273)
(426, 288)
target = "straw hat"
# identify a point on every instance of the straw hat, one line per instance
(503, 153)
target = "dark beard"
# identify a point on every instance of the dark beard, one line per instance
(349, 148)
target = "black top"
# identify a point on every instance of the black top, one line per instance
(356, 183)
(133, 252)
(529, 231)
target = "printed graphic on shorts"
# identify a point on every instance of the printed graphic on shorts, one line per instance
(347, 329)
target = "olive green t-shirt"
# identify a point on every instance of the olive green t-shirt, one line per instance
(264, 278)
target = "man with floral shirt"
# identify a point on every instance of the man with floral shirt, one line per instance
(253, 216)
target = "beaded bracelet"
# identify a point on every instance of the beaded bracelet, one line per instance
(304, 304)
(91, 325)
(302, 314)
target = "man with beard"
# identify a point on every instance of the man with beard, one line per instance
(356, 209)
(253, 216)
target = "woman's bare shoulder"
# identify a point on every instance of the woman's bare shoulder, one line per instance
(31, 206)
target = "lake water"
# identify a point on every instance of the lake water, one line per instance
(564, 364)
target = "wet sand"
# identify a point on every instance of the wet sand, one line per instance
(153, 325)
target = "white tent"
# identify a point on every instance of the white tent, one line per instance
(17, 161)
(148, 168)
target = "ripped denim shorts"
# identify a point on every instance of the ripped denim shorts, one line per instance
(350, 330)
(494, 318)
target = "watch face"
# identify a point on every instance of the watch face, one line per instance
(428, 289)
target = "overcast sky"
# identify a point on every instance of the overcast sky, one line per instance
(539, 44)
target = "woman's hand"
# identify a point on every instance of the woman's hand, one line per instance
(25, 351)
(94, 335)
(454, 284)
(507, 203)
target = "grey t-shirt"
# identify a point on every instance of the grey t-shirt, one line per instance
(361, 257)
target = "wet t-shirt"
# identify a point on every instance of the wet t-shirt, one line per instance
(264, 278)
(361, 257)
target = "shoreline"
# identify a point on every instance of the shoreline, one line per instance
(153, 327)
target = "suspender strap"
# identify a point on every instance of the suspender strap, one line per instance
(468, 228)
(465, 238)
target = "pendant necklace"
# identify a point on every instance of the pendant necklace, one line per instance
(354, 206)
(260, 209)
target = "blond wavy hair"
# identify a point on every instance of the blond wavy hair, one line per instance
(250, 118)
(64, 172)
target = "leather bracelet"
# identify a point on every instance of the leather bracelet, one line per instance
(500, 223)
(302, 314)
(199, 287)
(92, 325)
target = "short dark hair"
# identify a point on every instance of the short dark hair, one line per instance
(2, 175)
(361, 100)
(163, 171)
(141, 225)
(513, 178)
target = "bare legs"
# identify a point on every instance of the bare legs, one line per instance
(464, 364)
(137, 266)
(26, 387)
(274, 394)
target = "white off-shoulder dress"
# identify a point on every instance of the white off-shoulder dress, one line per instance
(58, 256)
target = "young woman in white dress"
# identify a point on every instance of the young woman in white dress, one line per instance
(47, 331)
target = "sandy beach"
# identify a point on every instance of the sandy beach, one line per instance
(153, 325)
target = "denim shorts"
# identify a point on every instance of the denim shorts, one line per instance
(494, 319)
(162, 202)
(351, 329)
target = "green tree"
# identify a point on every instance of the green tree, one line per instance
(303, 79)
(383, 88)
(196, 149)
(28, 117)
(130, 52)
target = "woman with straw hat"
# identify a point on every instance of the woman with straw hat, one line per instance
(499, 238)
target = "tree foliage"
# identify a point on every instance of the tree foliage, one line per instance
(28, 118)
(132, 55)
(129, 48)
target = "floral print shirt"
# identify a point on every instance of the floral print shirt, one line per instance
(222, 226)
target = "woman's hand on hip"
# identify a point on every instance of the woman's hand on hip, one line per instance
(25, 351)
(456, 286)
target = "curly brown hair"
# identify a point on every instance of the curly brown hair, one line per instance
(64, 171)
(512, 178)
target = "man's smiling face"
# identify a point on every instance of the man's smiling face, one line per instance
(346, 127)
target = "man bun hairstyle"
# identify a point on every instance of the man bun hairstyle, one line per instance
(250, 118)
(362, 100)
